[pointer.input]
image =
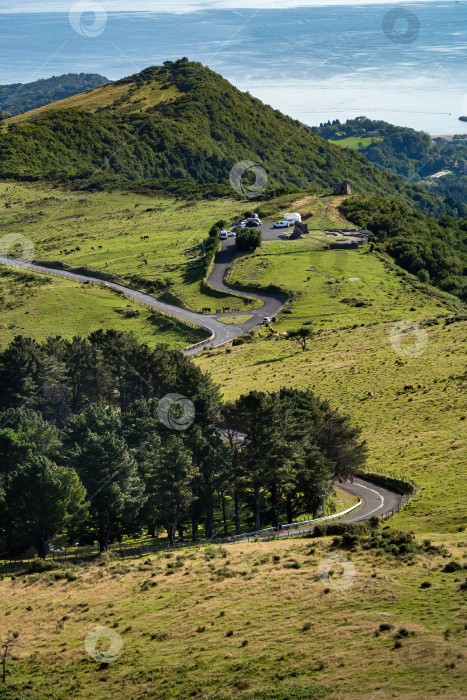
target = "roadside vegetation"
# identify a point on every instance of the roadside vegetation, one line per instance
(97, 443)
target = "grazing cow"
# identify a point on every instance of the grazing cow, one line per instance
(100, 247)
(92, 248)
(77, 248)
(419, 386)
(145, 261)
(408, 387)
(370, 395)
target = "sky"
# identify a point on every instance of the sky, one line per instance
(176, 6)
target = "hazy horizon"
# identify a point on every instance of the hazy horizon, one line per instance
(187, 6)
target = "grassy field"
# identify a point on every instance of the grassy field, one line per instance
(418, 434)
(108, 228)
(56, 220)
(353, 300)
(355, 142)
(40, 306)
(104, 97)
(334, 288)
(264, 621)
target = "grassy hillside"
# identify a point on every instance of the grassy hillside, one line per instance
(182, 121)
(20, 97)
(57, 220)
(246, 621)
(37, 305)
(353, 299)
(335, 288)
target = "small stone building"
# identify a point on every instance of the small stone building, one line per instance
(343, 188)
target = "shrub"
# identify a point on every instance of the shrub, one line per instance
(452, 566)
(248, 239)
(385, 627)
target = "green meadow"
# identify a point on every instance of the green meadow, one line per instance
(417, 434)
(355, 142)
(58, 220)
(352, 301)
(39, 306)
(334, 288)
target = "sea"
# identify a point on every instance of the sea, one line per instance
(405, 64)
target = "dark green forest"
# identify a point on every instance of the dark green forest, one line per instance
(95, 444)
(407, 153)
(433, 249)
(197, 138)
(21, 97)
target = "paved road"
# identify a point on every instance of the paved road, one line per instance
(224, 258)
(223, 333)
(377, 500)
(220, 332)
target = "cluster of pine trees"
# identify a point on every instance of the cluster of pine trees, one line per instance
(85, 452)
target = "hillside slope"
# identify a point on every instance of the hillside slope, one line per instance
(20, 97)
(182, 121)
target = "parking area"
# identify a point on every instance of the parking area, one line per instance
(270, 233)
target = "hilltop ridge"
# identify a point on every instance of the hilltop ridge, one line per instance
(182, 121)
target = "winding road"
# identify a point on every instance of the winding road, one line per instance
(219, 333)
(376, 499)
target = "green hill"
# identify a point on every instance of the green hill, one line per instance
(21, 97)
(409, 154)
(182, 121)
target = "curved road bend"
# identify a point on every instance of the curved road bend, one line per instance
(221, 331)
(223, 260)
(377, 500)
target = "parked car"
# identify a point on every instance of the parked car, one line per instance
(230, 234)
(283, 224)
(239, 224)
(223, 235)
(267, 319)
(252, 223)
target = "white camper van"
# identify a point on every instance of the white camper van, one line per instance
(292, 217)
